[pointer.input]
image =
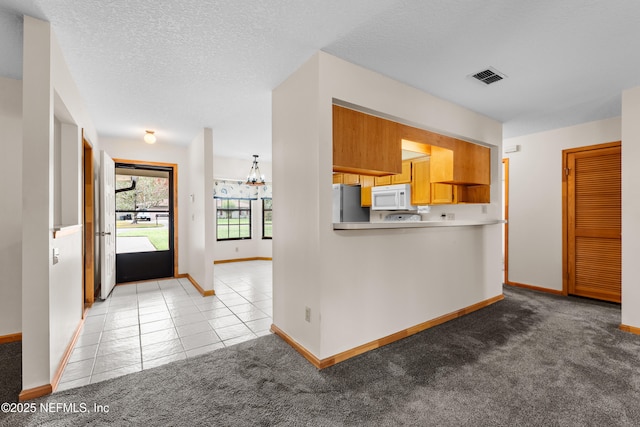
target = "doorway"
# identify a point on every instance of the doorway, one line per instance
(145, 221)
(505, 217)
(592, 221)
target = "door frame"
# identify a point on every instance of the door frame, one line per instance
(174, 176)
(88, 222)
(505, 197)
(565, 207)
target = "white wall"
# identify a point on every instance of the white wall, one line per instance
(65, 278)
(232, 168)
(630, 207)
(51, 293)
(11, 211)
(65, 296)
(364, 285)
(535, 199)
(37, 206)
(129, 149)
(296, 221)
(201, 225)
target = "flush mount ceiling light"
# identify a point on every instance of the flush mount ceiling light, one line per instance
(255, 178)
(488, 76)
(149, 137)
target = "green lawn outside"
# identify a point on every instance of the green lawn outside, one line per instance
(233, 232)
(158, 238)
(128, 224)
(236, 227)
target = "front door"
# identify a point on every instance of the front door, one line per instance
(144, 222)
(107, 232)
(594, 221)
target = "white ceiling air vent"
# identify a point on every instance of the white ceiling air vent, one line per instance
(488, 76)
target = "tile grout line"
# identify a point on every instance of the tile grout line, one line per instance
(192, 302)
(235, 314)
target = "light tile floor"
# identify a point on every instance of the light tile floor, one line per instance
(148, 324)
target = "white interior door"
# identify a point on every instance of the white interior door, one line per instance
(107, 224)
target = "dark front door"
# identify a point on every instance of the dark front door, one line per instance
(144, 222)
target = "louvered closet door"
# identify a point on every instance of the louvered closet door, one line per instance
(594, 223)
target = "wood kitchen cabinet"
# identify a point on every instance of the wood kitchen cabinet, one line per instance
(366, 182)
(473, 194)
(382, 180)
(365, 144)
(423, 191)
(346, 178)
(442, 194)
(453, 161)
(420, 184)
(467, 163)
(405, 176)
(367, 151)
(402, 178)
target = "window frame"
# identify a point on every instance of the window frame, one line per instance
(263, 219)
(239, 208)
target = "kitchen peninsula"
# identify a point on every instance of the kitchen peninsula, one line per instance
(342, 289)
(406, 224)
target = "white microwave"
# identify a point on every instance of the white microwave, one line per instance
(392, 198)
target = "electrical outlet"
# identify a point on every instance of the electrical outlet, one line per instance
(484, 209)
(307, 314)
(237, 249)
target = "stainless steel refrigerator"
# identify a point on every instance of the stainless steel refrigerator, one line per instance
(346, 204)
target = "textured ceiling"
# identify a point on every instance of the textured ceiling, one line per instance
(179, 66)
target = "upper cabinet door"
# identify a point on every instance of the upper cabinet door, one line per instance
(420, 183)
(405, 176)
(466, 163)
(365, 144)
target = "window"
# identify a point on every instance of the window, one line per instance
(266, 218)
(233, 219)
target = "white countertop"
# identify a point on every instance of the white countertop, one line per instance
(412, 224)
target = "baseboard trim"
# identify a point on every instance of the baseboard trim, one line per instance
(534, 288)
(296, 346)
(11, 338)
(341, 357)
(67, 354)
(35, 392)
(630, 329)
(199, 288)
(257, 258)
